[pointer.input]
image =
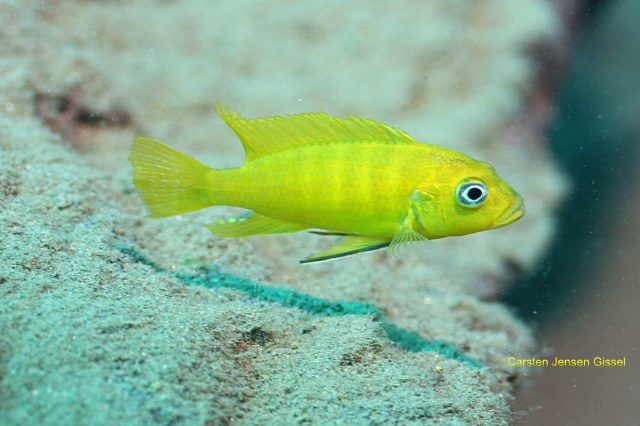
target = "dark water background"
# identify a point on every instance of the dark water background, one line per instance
(584, 296)
(595, 137)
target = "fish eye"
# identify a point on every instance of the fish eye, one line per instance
(472, 194)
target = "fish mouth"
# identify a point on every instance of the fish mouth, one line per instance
(510, 215)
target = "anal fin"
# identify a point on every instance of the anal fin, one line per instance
(349, 245)
(252, 224)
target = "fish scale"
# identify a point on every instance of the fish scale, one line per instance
(319, 183)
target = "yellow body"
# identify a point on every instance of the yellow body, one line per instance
(359, 189)
(354, 177)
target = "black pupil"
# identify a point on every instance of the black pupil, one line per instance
(474, 193)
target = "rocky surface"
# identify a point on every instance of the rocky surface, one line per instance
(110, 317)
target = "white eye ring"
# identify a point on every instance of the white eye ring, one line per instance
(472, 194)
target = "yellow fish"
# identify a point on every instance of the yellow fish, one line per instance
(371, 184)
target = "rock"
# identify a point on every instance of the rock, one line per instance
(110, 317)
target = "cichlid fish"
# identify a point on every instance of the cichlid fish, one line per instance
(365, 181)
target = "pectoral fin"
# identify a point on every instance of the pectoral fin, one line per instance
(403, 239)
(347, 246)
(419, 202)
(407, 233)
(252, 224)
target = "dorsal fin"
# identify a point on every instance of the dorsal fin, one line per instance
(268, 135)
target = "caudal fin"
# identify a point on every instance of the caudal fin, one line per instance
(171, 182)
